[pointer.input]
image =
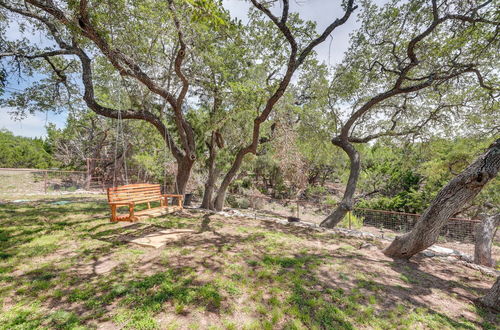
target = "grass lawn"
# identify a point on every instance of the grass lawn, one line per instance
(67, 267)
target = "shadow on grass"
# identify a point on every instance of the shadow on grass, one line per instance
(175, 280)
(22, 224)
(123, 235)
(414, 294)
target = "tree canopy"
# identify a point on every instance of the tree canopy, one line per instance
(414, 99)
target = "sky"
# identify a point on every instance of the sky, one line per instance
(324, 12)
(31, 126)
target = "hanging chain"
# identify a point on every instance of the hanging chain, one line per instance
(167, 144)
(120, 135)
(120, 119)
(116, 147)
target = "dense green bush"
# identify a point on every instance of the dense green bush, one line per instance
(406, 178)
(411, 202)
(23, 152)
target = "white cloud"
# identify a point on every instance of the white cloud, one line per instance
(31, 126)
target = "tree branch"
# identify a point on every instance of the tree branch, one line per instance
(87, 79)
(338, 22)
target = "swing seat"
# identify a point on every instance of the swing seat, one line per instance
(142, 193)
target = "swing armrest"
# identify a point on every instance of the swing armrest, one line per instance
(180, 198)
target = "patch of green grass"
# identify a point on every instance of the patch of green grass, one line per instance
(81, 294)
(176, 286)
(131, 319)
(407, 279)
(347, 247)
(61, 319)
(33, 317)
(229, 286)
(369, 285)
(313, 311)
(434, 320)
(229, 325)
(343, 277)
(21, 317)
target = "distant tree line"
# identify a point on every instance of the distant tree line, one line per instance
(25, 152)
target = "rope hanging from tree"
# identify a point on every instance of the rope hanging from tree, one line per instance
(120, 135)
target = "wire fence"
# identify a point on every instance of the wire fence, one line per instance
(458, 233)
(27, 181)
(15, 181)
(456, 229)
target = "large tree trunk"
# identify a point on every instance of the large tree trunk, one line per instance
(184, 166)
(208, 202)
(485, 232)
(457, 193)
(347, 202)
(492, 297)
(221, 193)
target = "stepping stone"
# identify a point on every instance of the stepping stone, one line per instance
(161, 238)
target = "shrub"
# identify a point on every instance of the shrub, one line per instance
(238, 202)
(330, 201)
(315, 191)
(356, 222)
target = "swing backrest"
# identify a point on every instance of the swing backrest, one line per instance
(135, 193)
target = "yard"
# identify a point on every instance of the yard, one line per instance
(64, 265)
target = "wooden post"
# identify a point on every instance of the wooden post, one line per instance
(113, 213)
(131, 206)
(349, 215)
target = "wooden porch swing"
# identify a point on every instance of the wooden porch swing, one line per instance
(142, 193)
(130, 195)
